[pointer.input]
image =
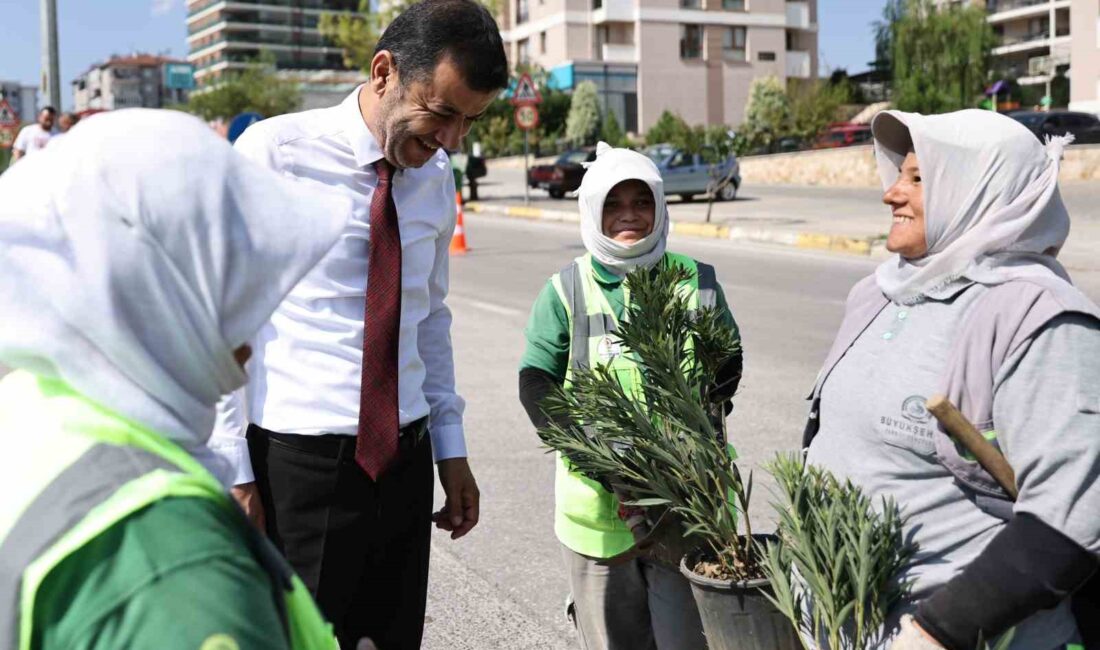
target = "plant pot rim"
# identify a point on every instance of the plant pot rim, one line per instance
(689, 560)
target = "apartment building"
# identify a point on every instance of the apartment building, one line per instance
(694, 57)
(228, 35)
(1040, 39)
(134, 81)
(22, 98)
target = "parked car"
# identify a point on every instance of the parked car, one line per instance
(687, 174)
(843, 135)
(564, 175)
(1085, 127)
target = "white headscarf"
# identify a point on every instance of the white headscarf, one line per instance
(992, 210)
(611, 167)
(139, 252)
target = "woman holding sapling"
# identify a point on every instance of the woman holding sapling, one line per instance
(621, 599)
(975, 306)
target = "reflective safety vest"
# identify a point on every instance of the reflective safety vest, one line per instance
(586, 516)
(71, 470)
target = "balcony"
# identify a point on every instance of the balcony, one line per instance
(1005, 10)
(615, 11)
(798, 15)
(619, 53)
(798, 64)
(303, 6)
(1014, 43)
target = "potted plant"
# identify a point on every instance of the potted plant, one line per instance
(662, 448)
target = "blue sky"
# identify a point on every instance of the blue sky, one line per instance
(92, 30)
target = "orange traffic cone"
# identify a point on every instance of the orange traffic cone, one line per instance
(458, 240)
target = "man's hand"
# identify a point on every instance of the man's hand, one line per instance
(460, 511)
(248, 497)
(912, 637)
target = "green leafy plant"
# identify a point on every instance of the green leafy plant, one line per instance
(664, 445)
(583, 124)
(834, 570)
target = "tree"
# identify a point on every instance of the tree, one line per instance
(767, 112)
(254, 89)
(612, 133)
(940, 57)
(668, 128)
(583, 124)
(892, 12)
(814, 105)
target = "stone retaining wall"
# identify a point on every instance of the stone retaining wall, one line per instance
(855, 167)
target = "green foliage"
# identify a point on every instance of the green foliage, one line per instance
(256, 88)
(612, 133)
(892, 12)
(665, 444)
(583, 124)
(767, 112)
(846, 553)
(814, 105)
(940, 57)
(668, 128)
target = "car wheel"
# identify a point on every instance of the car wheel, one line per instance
(686, 198)
(557, 194)
(728, 192)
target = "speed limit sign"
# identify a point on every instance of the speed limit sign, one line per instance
(527, 117)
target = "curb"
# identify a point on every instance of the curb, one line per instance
(870, 246)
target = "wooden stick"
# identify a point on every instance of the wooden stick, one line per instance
(966, 434)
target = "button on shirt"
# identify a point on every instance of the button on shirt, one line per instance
(304, 375)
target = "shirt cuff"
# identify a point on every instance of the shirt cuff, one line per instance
(234, 451)
(448, 441)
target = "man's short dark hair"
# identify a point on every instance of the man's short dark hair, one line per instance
(464, 30)
(48, 109)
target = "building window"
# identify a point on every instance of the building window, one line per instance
(691, 41)
(521, 11)
(733, 5)
(542, 43)
(691, 4)
(733, 44)
(524, 50)
(597, 4)
(766, 56)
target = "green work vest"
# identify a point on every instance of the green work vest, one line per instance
(586, 516)
(71, 471)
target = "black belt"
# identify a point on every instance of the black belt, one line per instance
(339, 446)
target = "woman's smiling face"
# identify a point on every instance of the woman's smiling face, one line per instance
(629, 211)
(906, 200)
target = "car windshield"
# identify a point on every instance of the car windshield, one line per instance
(575, 157)
(1028, 119)
(658, 154)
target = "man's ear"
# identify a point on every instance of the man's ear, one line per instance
(382, 72)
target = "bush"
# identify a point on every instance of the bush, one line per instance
(583, 124)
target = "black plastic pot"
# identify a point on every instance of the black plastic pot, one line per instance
(737, 615)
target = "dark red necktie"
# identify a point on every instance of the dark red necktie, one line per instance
(376, 439)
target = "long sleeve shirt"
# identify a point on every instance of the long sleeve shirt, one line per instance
(305, 371)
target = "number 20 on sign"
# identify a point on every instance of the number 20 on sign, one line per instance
(527, 117)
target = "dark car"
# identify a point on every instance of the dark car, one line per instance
(1085, 127)
(564, 175)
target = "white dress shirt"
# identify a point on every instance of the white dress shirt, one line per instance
(305, 371)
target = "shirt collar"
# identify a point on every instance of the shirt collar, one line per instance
(604, 275)
(363, 143)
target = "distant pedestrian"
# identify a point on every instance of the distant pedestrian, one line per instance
(352, 388)
(620, 598)
(67, 121)
(34, 137)
(973, 305)
(133, 275)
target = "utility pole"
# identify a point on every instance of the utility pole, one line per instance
(51, 75)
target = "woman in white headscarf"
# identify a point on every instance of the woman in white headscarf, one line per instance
(621, 599)
(137, 258)
(973, 305)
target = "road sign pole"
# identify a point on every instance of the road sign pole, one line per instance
(51, 77)
(526, 171)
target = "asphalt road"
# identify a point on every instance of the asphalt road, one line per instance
(502, 586)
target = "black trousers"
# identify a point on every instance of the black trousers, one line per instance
(360, 546)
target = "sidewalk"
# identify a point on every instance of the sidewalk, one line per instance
(850, 221)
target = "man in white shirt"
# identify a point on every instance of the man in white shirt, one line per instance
(352, 381)
(34, 137)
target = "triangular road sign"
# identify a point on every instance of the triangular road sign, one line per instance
(7, 115)
(526, 93)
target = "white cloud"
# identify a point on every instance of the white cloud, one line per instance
(160, 7)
